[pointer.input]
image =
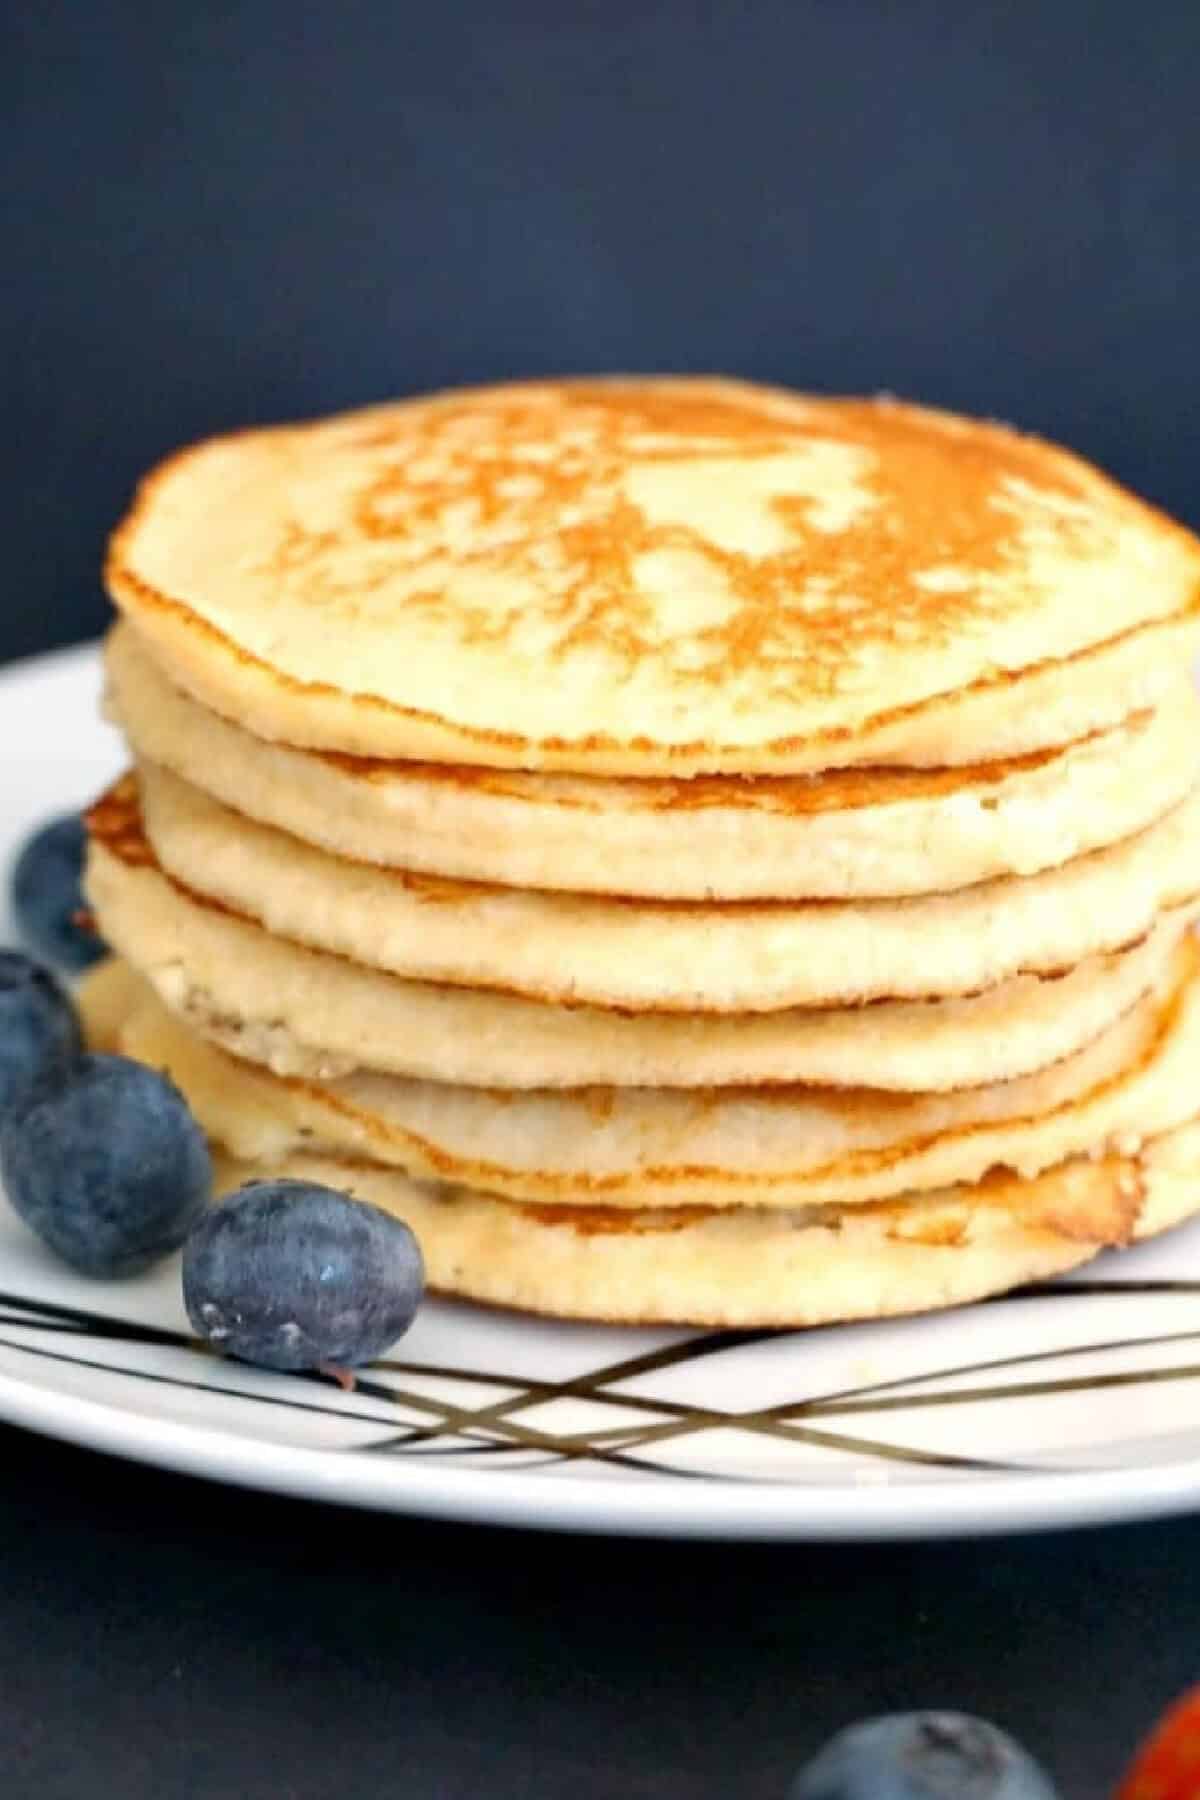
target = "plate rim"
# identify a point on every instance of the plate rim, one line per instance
(695, 1507)
(659, 1505)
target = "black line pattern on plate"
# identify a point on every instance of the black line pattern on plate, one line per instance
(400, 1420)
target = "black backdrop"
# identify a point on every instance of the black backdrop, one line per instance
(217, 213)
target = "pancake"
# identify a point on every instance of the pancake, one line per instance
(302, 1012)
(651, 956)
(813, 1266)
(839, 834)
(106, 995)
(635, 1147)
(651, 577)
(747, 1266)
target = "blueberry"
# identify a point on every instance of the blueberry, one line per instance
(47, 895)
(296, 1276)
(106, 1164)
(922, 1756)
(38, 1027)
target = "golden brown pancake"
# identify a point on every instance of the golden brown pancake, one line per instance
(650, 956)
(629, 1147)
(850, 833)
(747, 1267)
(784, 759)
(303, 1012)
(649, 577)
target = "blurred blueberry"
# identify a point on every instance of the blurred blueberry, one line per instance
(922, 1756)
(296, 1276)
(38, 1027)
(106, 1164)
(47, 895)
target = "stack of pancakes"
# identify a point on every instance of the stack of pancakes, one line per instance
(698, 853)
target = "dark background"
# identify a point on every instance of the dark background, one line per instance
(161, 1639)
(215, 214)
(219, 213)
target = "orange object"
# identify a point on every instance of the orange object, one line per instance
(1167, 1767)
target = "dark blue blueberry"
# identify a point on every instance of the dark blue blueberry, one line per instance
(106, 1164)
(295, 1276)
(38, 1027)
(47, 895)
(922, 1756)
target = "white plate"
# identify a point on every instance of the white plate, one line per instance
(1066, 1405)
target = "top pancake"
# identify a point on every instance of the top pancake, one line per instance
(650, 577)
